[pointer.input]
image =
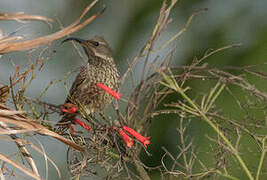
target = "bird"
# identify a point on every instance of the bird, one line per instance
(100, 68)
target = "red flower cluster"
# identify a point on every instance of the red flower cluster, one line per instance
(122, 131)
(73, 110)
(128, 140)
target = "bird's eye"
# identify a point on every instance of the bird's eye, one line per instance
(96, 43)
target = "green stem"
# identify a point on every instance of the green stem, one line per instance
(183, 142)
(227, 176)
(261, 159)
(205, 118)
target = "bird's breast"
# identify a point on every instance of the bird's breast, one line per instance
(94, 98)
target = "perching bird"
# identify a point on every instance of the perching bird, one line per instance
(100, 68)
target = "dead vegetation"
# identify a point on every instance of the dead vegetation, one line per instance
(103, 152)
(8, 44)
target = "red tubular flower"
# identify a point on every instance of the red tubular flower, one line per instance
(82, 124)
(109, 90)
(72, 110)
(144, 140)
(128, 140)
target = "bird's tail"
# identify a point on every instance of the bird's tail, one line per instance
(65, 123)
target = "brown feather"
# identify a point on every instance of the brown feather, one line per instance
(100, 68)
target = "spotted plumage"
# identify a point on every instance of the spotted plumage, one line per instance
(100, 68)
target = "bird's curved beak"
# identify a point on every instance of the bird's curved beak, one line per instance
(79, 40)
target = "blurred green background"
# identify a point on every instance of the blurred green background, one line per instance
(126, 25)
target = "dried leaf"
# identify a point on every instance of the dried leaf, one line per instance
(9, 46)
(20, 17)
(20, 167)
(4, 91)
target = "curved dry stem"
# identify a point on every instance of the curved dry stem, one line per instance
(20, 17)
(8, 47)
(20, 167)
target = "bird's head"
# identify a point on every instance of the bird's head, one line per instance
(95, 47)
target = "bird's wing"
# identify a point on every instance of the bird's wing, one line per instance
(80, 78)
